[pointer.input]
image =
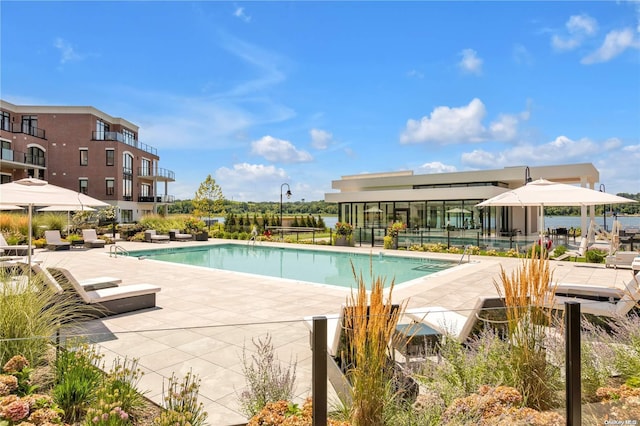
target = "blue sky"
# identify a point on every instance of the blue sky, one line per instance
(258, 94)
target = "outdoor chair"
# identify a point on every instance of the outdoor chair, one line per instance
(112, 300)
(176, 235)
(151, 236)
(88, 284)
(612, 308)
(621, 258)
(13, 250)
(54, 241)
(91, 239)
(575, 253)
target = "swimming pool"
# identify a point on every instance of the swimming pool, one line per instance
(316, 266)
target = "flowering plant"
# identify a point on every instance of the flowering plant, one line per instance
(395, 228)
(344, 229)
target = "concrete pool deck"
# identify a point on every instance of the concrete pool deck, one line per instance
(204, 317)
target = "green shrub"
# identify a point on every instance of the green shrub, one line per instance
(181, 403)
(559, 251)
(266, 378)
(595, 256)
(77, 380)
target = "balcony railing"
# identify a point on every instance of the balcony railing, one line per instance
(21, 157)
(158, 172)
(156, 199)
(120, 137)
(27, 130)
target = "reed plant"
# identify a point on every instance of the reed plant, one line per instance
(370, 323)
(527, 293)
(30, 315)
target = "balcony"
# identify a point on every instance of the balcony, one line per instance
(21, 158)
(27, 130)
(158, 173)
(120, 137)
(163, 199)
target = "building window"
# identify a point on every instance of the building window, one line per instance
(146, 167)
(127, 164)
(126, 216)
(35, 156)
(110, 186)
(84, 157)
(128, 136)
(5, 178)
(83, 185)
(30, 124)
(111, 157)
(102, 129)
(5, 123)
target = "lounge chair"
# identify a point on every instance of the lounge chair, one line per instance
(151, 236)
(451, 323)
(14, 250)
(88, 284)
(112, 300)
(620, 308)
(176, 235)
(54, 241)
(621, 258)
(584, 242)
(91, 239)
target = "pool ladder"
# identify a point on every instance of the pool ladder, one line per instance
(467, 251)
(115, 249)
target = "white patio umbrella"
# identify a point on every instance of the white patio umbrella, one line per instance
(32, 192)
(542, 193)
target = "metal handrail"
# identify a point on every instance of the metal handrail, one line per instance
(115, 249)
(466, 251)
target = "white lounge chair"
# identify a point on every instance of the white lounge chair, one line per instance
(112, 300)
(621, 258)
(451, 323)
(91, 239)
(614, 309)
(13, 250)
(151, 236)
(584, 242)
(54, 241)
(88, 284)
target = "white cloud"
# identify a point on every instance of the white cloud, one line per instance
(560, 150)
(470, 62)
(616, 42)
(320, 139)
(67, 52)
(435, 167)
(463, 124)
(415, 74)
(251, 182)
(579, 27)
(582, 24)
(240, 13)
(521, 55)
(279, 151)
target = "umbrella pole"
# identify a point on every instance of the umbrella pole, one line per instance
(30, 239)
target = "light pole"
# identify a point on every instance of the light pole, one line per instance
(604, 208)
(289, 194)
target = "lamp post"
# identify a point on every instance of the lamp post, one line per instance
(289, 194)
(604, 208)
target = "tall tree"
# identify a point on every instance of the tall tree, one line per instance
(208, 199)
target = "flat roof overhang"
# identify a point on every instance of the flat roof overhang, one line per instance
(428, 194)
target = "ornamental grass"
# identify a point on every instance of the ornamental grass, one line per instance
(370, 322)
(527, 292)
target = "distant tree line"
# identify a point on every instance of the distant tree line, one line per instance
(621, 209)
(303, 208)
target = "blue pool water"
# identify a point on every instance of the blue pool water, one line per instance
(324, 267)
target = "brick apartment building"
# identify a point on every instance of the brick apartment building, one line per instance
(85, 150)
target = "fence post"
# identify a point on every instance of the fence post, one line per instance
(448, 239)
(572, 361)
(319, 371)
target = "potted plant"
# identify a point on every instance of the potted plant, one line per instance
(195, 227)
(393, 232)
(344, 234)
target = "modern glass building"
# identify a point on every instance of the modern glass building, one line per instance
(447, 201)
